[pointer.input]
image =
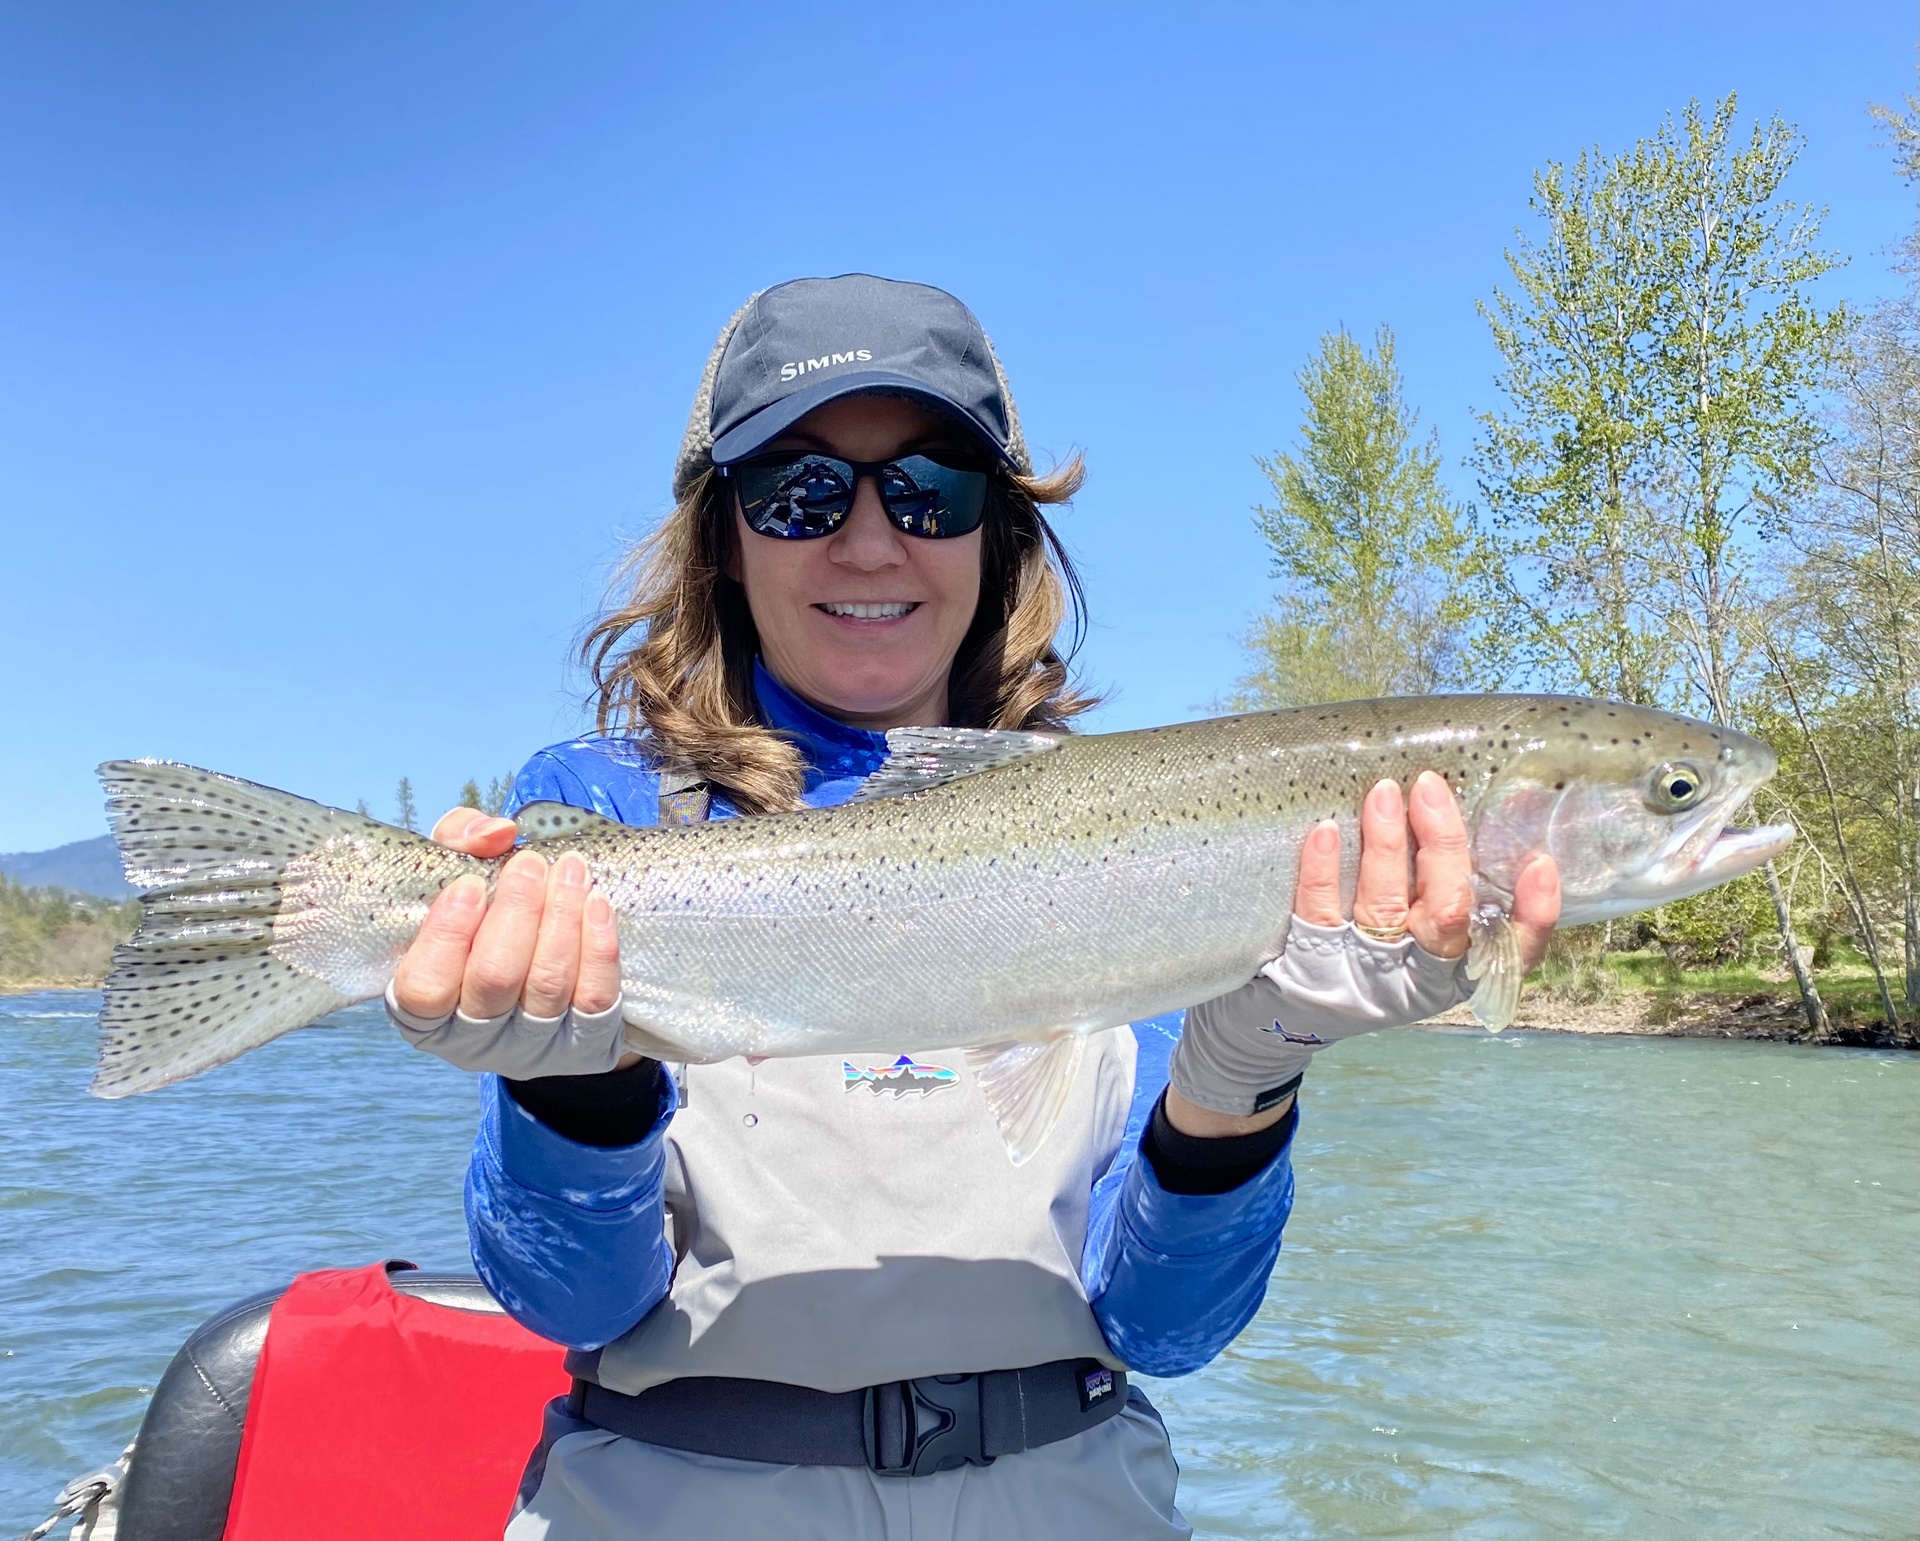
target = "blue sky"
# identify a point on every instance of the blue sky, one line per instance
(342, 345)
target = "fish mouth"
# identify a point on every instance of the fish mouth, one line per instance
(1736, 852)
(1698, 862)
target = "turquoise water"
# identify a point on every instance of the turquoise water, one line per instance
(1534, 1285)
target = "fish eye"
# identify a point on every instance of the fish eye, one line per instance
(1677, 785)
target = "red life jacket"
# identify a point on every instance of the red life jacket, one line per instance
(376, 1415)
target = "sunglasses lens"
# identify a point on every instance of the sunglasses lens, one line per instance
(925, 498)
(796, 499)
(811, 496)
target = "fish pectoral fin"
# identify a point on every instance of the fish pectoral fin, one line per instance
(1026, 1086)
(1493, 962)
(919, 758)
(550, 821)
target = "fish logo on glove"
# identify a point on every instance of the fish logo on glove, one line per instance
(904, 1075)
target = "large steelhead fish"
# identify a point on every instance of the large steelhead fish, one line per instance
(1005, 891)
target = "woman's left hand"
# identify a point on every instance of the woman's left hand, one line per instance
(1437, 911)
(1240, 1055)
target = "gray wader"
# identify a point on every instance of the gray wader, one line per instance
(841, 1224)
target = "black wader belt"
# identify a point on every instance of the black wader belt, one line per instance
(901, 1429)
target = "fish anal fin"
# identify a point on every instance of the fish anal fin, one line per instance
(1026, 1086)
(1494, 963)
(554, 821)
(920, 758)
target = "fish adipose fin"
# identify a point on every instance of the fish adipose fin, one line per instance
(1493, 962)
(209, 973)
(551, 821)
(1026, 1086)
(919, 758)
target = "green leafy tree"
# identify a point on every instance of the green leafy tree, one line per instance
(1663, 361)
(1565, 463)
(1842, 644)
(1368, 547)
(1741, 352)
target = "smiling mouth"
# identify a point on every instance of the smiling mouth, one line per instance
(884, 610)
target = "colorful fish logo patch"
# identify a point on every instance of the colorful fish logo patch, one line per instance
(904, 1075)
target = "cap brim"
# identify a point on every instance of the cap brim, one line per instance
(760, 430)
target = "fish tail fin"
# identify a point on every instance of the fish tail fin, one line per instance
(206, 976)
(1026, 1087)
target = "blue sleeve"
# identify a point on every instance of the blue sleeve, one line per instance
(613, 778)
(1174, 1277)
(569, 1238)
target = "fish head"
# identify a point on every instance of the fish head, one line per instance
(1632, 804)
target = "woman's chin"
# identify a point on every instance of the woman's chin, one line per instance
(865, 697)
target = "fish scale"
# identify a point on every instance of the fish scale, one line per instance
(982, 890)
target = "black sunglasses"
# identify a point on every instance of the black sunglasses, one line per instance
(805, 496)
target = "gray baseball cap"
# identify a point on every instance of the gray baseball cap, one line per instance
(804, 343)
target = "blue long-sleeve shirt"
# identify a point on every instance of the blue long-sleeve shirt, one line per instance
(572, 1238)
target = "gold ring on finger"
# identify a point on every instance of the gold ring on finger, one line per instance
(1381, 933)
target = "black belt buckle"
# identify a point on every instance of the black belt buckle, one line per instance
(942, 1424)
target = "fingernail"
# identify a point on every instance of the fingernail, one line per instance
(599, 912)
(1434, 791)
(491, 826)
(571, 871)
(466, 893)
(1384, 795)
(527, 866)
(1326, 835)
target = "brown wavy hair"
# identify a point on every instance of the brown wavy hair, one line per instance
(685, 685)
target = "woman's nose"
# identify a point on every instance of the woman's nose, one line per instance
(868, 539)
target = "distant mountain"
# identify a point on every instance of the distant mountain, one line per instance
(85, 867)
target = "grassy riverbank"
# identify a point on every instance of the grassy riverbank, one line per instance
(1580, 990)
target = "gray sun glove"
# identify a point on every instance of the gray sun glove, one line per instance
(517, 1045)
(1242, 1052)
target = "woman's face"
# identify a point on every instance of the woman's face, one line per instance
(874, 670)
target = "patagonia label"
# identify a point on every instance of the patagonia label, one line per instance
(1095, 1386)
(1273, 1096)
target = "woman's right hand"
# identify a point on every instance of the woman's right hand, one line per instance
(547, 941)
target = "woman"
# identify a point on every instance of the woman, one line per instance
(811, 1297)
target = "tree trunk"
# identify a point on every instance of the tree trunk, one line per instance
(1810, 1003)
(1913, 948)
(1850, 877)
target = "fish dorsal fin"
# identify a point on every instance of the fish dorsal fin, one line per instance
(919, 758)
(1026, 1086)
(549, 821)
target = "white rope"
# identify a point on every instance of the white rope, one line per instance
(86, 1500)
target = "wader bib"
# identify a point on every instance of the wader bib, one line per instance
(841, 1224)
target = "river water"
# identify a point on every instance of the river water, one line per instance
(1534, 1285)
